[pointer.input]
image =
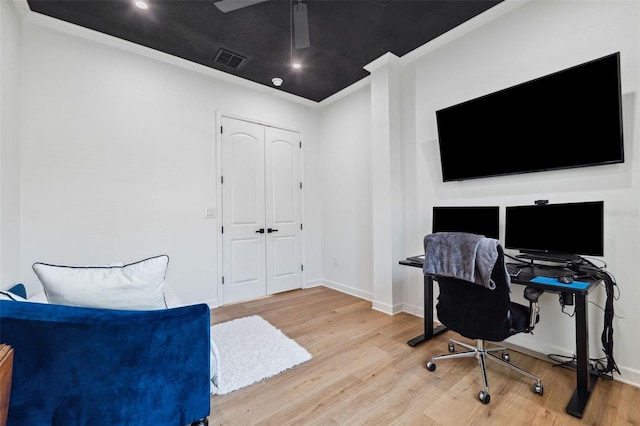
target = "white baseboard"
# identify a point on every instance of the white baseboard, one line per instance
(311, 284)
(376, 305)
(213, 303)
(348, 290)
(386, 308)
(627, 375)
(414, 310)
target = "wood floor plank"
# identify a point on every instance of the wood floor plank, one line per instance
(364, 373)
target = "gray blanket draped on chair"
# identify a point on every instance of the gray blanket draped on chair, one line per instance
(461, 255)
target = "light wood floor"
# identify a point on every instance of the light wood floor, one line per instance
(364, 373)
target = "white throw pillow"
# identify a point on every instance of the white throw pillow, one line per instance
(136, 286)
(171, 299)
(39, 297)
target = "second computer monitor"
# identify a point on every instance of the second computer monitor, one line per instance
(481, 220)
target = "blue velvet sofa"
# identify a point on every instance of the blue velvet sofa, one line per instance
(78, 366)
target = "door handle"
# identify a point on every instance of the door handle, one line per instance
(260, 231)
(270, 230)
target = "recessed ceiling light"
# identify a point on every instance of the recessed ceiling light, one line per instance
(142, 4)
(296, 65)
(277, 81)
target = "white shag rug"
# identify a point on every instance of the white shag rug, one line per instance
(247, 350)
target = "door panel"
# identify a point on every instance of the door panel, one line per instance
(283, 200)
(243, 204)
(284, 182)
(284, 257)
(245, 258)
(247, 192)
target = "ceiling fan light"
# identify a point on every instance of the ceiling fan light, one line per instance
(142, 4)
(296, 65)
(277, 81)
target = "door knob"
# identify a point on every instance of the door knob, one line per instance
(270, 230)
(260, 231)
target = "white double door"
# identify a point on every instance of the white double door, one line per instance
(261, 210)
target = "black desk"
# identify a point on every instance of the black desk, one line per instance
(585, 381)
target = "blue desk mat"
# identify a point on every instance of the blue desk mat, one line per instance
(579, 285)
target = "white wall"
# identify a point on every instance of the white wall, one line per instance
(346, 195)
(10, 84)
(531, 41)
(118, 155)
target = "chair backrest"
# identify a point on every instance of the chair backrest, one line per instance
(473, 310)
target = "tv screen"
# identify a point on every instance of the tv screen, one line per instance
(572, 118)
(481, 220)
(563, 231)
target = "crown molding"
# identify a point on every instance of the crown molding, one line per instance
(495, 12)
(45, 21)
(466, 27)
(22, 6)
(108, 40)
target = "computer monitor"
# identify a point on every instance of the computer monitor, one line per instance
(556, 232)
(481, 220)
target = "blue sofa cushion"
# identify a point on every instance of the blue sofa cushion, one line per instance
(86, 366)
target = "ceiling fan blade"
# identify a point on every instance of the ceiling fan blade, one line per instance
(231, 5)
(301, 26)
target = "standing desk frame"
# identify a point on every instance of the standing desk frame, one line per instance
(429, 329)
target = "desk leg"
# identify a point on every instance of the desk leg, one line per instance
(585, 380)
(429, 331)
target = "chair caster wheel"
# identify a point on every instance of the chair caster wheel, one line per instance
(484, 397)
(537, 388)
(505, 356)
(431, 366)
(452, 347)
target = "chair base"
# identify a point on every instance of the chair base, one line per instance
(482, 354)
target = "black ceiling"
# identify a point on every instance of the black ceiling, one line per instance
(345, 35)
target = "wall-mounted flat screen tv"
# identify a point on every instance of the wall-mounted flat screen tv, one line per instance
(571, 118)
(481, 220)
(556, 231)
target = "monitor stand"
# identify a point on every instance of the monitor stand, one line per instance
(564, 262)
(549, 257)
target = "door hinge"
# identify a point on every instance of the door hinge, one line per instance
(300, 185)
(301, 227)
(223, 280)
(302, 267)
(221, 130)
(300, 144)
(221, 179)
(222, 229)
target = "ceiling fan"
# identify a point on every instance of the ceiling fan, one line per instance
(300, 22)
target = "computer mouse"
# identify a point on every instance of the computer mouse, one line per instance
(566, 279)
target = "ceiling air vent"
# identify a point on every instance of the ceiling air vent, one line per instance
(229, 59)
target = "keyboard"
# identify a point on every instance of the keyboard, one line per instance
(513, 270)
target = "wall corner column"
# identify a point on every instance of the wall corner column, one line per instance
(386, 179)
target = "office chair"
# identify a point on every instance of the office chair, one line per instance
(474, 300)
